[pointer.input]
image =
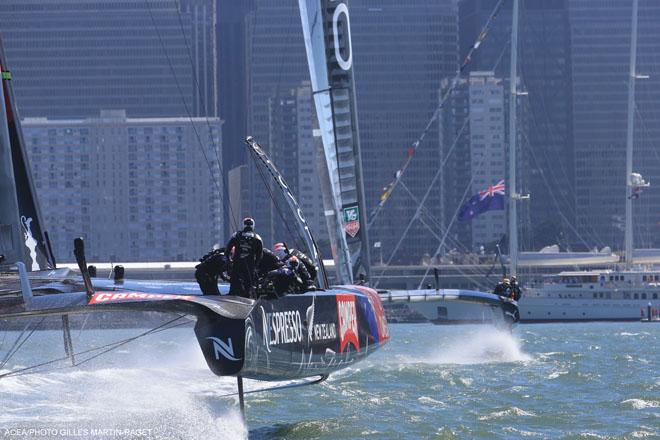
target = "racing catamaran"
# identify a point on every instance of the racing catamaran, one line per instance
(303, 336)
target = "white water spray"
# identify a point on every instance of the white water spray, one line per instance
(485, 345)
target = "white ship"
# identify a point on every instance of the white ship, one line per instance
(595, 295)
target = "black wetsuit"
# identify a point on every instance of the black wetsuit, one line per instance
(306, 271)
(210, 267)
(308, 262)
(502, 289)
(245, 249)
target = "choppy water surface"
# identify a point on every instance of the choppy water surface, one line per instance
(582, 381)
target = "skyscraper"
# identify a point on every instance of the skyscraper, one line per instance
(544, 61)
(600, 40)
(72, 59)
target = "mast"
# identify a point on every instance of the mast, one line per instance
(513, 196)
(629, 140)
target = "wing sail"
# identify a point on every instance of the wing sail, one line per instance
(333, 86)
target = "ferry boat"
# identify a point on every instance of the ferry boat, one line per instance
(595, 295)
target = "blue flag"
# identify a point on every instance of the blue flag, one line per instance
(489, 200)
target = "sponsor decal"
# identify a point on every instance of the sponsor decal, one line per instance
(30, 242)
(223, 349)
(352, 220)
(345, 62)
(324, 332)
(104, 297)
(281, 327)
(348, 325)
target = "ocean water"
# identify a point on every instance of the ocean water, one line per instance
(566, 381)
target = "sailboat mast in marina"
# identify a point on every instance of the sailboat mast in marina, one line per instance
(634, 181)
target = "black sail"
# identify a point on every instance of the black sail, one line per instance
(22, 235)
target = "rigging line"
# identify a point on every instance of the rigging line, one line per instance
(542, 95)
(299, 244)
(417, 213)
(14, 344)
(537, 126)
(115, 344)
(555, 201)
(18, 347)
(381, 205)
(199, 94)
(399, 174)
(568, 205)
(183, 100)
(453, 219)
(471, 274)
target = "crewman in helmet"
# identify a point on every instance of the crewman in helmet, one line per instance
(244, 252)
(303, 281)
(502, 288)
(284, 253)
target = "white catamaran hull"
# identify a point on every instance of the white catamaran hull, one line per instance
(448, 307)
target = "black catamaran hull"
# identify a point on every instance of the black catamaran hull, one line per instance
(296, 336)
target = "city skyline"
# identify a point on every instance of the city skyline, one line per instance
(571, 134)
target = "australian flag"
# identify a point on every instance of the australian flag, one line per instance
(489, 200)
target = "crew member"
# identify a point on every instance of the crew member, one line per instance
(502, 288)
(302, 282)
(284, 253)
(210, 267)
(244, 252)
(516, 293)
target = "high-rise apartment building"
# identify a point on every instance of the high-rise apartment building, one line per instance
(544, 69)
(600, 40)
(137, 189)
(70, 59)
(487, 150)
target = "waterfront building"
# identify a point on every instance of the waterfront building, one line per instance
(137, 189)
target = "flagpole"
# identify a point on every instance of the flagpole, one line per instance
(513, 196)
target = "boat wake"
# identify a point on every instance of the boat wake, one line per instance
(485, 345)
(152, 396)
